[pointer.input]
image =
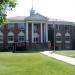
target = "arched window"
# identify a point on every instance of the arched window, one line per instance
(67, 36)
(58, 36)
(21, 37)
(10, 37)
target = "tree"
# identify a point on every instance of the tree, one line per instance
(4, 6)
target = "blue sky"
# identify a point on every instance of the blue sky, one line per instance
(58, 9)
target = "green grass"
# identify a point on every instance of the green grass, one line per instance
(32, 64)
(70, 53)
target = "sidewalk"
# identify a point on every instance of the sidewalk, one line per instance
(66, 59)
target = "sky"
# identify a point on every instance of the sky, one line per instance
(55, 9)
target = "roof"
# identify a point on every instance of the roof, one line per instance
(36, 17)
(16, 19)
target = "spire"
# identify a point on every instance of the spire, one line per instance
(32, 4)
(32, 12)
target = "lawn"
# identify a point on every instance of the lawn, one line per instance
(70, 53)
(32, 64)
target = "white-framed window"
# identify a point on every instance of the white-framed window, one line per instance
(67, 27)
(11, 26)
(58, 36)
(59, 27)
(21, 26)
(21, 38)
(67, 36)
(10, 37)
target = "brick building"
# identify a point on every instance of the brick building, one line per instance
(34, 32)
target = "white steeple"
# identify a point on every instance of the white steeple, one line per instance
(32, 12)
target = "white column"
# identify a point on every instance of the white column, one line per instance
(41, 34)
(32, 32)
(46, 32)
(26, 31)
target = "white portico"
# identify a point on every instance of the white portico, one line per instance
(36, 28)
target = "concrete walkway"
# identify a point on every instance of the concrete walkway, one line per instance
(66, 59)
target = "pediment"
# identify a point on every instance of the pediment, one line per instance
(36, 17)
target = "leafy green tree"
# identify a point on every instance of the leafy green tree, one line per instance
(4, 6)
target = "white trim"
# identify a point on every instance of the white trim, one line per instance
(10, 34)
(36, 35)
(46, 32)
(21, 34)
(26, 31)
(67, 34)
(32, 32)
(41, 33)
(58, 41)
(67, 41)
(58, 34)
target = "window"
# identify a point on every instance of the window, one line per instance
(50, 26)
(58, 38)
(21, 38)
(21, 26)
(35, 28)
(1, 38)
(1, 28)
(67, 27)
(59, 27)
(36, 40)
(11, 26)
(10, 38)
(67, 38)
